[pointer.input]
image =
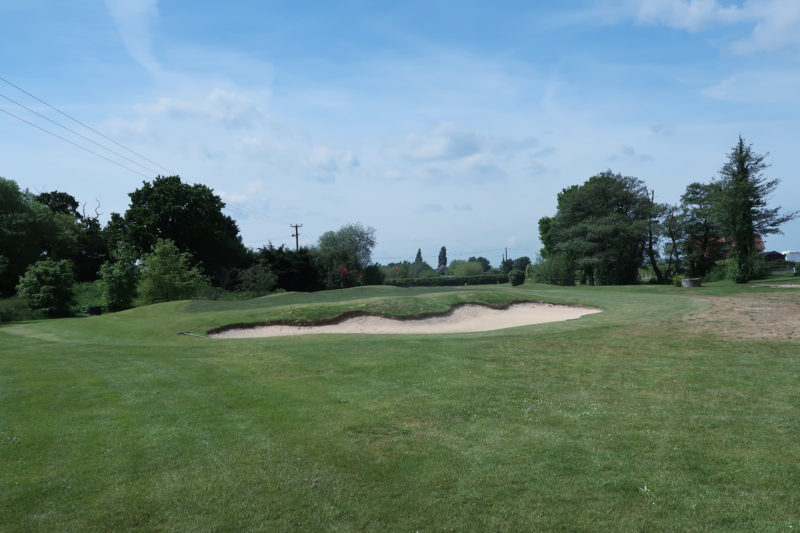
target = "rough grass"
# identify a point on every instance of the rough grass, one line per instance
(623, 420)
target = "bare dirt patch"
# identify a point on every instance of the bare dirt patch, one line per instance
(760, 315)
(462, 319)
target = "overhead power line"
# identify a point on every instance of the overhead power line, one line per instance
(87, 126)
(73, 143)
(79, 134)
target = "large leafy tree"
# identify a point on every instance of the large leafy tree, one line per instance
(343, 254)
(29, 231)
(600, 229)
(742, 209)
(698, 229)
(90, 249)
(188, 215)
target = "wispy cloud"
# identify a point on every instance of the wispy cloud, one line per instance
(773, 23)
(134, 20)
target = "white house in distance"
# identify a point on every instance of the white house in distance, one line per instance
(792, 255)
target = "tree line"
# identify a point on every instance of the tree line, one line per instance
(607, 228)
(173, 242)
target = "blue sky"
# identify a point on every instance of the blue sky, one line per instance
(437, 123)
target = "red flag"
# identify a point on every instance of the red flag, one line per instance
(361, 273)
(344, 270)
(397, 271)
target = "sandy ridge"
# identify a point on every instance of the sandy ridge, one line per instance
(463, 318)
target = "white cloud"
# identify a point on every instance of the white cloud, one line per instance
(134, 19)
(757, 87)
(774, 22)
(230, 109)
(691, 15)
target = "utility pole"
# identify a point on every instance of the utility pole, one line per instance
(296, 235)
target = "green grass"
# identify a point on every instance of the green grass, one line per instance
(617, 421)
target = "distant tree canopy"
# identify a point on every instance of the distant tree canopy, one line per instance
(599, 229)
(342, 255)
(483, 261)
(443, 256)
(188, 215)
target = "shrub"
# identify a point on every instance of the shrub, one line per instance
(555, 270)
(167, 275)
(677, 279)
(465, 268)
(119, 278)
(516, 277)
(448, 281)
(47, 286)
(15, 308)
(257, 279)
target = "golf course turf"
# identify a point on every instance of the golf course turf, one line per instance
(653, 415)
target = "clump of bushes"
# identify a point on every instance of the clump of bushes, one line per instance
(47, 286)
(516, 277)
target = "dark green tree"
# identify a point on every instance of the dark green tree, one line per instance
(521, 263)
(29, 231)
(190, 216)
(418, 258)
(59, 202)
(483, 261)
(698, 229)
(295, 269)
(742, 207)
(443, 256)
(47, 286)
(599, 229)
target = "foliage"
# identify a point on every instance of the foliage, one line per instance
(461, 268)
(418, 258)
(59, 202)
(257, 279)
(167, 274)
(295, 269)
(15, 308)
(188, 215)
(521, 263)
(449, 281)
(342, 254)
(119, 278)
(485, 264)
(742, 207)
(47, 286)
(29, 231)
(600, 227)
(516, 277)
(701, 236)
(443, 257)
(374, 275)
(555, 270)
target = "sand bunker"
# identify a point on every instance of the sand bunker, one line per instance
(462, 319)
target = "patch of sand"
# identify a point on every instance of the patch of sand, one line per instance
(462, 319)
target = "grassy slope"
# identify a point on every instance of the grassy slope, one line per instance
(615, 420)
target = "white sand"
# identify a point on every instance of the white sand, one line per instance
(463, 319)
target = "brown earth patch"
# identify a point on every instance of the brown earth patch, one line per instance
(760, 315)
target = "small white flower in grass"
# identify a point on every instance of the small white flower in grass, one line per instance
(644, 489)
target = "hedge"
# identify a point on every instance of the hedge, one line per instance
(446, 281)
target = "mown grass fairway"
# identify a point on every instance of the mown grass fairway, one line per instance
(632, 419)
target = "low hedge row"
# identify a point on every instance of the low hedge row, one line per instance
(445, 281)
